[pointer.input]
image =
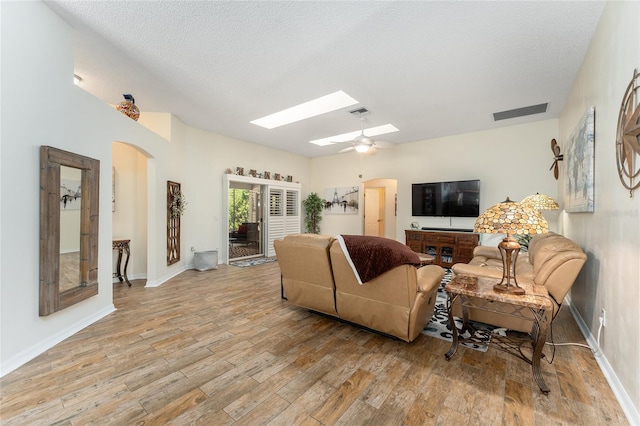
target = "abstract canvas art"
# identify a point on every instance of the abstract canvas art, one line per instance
(580, 156)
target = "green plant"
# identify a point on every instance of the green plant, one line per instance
(523, 240)
(313, 206)
(238, 207)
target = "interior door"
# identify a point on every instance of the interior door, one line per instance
(374, 212)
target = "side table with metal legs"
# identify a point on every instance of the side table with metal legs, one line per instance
(477, 293)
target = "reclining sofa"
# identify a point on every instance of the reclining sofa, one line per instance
(317, 275)
(552, 260)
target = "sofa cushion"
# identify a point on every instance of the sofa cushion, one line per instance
(544, 251)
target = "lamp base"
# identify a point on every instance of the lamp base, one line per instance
(508, 288)
(509, 249)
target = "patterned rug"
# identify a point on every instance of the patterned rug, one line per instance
(241, 251)
(253, 262)
(439, 325)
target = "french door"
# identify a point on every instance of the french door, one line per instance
(273, 206)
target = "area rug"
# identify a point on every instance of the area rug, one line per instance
(439, 325)
(253, 262)
(242, 251)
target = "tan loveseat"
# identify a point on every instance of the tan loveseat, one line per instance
(552, 260)
(316, 275)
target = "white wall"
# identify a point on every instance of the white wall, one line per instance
(41, 106)
(208, 156)
(511, 161)
(610, 235)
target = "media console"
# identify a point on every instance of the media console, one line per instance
(447, 229)
(448, 247)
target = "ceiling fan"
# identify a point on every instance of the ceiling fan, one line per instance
(557, 157)
(363, 144)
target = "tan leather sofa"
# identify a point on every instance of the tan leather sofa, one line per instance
(307, 276)
(552, 260)
(316, 275)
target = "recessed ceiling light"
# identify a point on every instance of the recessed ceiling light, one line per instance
(309, 109)
(345, 137)
(76, 79)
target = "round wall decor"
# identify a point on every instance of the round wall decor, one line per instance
(628, 136)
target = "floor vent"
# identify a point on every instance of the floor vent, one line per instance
(520, 112)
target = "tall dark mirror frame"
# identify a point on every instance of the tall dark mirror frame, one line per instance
(52, 299)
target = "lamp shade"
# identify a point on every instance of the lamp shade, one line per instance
(510, 217)
(540, 202)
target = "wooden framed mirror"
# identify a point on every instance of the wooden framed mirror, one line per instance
(69, 194)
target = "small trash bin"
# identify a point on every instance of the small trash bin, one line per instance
(205, 260)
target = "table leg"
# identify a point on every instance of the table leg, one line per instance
(118, 274)
(539, 336)
(452, 324)
(126, 263)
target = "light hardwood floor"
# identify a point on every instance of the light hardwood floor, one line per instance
(220, 347)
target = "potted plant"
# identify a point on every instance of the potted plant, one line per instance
(313, 206)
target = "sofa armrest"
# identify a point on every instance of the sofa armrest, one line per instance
(429, 278)
(489, 252)
(478, 271)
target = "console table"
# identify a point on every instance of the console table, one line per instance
(477, 293)
(123, 247)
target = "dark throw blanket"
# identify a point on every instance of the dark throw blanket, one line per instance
(373, 256)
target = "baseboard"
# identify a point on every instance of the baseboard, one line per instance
(131, 278)
(630, 410)
(166, 278)
(30, 353)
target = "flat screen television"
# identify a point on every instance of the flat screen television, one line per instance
(457, 198)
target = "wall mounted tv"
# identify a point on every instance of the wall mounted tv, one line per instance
(458, 198)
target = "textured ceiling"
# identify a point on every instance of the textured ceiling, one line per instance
(430, 68)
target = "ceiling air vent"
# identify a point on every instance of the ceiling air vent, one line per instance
(520, 112)
(359, 112)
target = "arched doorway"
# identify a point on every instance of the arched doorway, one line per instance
(131, 219)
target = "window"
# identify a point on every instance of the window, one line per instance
(292, 203)
(275, 202)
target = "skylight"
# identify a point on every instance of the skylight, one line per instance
(321, 105)
(345, 137)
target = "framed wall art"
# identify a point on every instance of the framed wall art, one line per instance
(341, 200)
(580, 157)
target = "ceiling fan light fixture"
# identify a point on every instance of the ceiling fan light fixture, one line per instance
(362, 148)
(346, 137)
(363, 140)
